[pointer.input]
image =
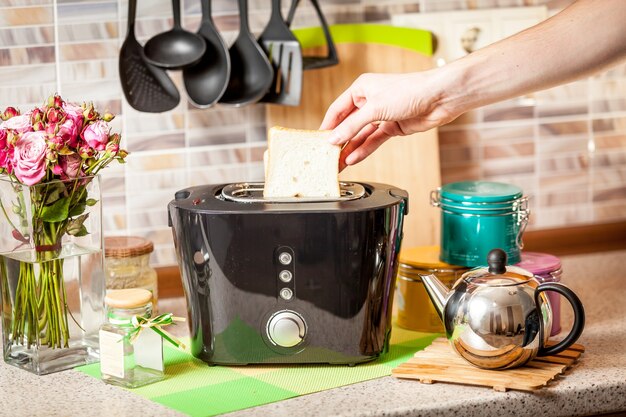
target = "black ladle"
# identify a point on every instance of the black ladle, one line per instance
(207, 80)
(147, 88)
(176, 48)
(251, 73)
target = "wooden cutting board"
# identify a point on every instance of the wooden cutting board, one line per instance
(410, 162)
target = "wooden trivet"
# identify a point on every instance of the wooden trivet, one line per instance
(439, 363)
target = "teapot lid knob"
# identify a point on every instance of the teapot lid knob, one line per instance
(496, 259)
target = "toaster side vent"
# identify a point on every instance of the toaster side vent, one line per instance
(252, 192)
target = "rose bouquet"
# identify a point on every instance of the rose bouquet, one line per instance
(53, 153)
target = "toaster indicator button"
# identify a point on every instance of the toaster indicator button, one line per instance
(181, 195)
(286, 329)
(285, 258)
(286, 294)
(285, 276)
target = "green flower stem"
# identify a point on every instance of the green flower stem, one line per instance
(100, 163)
(18, 302)
(40, 310)
(53, 327)
(49, 323)
(61, 317)
(32, 302)
(25, 310)
(6, 215)
(19, 309)
(43, 318)
(66, 309)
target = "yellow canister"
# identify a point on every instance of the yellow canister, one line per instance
(414, 308)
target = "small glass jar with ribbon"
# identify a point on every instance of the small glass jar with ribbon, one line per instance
(131, 340)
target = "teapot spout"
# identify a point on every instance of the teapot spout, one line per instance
(437, 292)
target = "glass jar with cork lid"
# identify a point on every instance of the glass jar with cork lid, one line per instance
(415, 310)
(126, 360)
(127, 264)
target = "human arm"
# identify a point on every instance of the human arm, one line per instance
(588, 36)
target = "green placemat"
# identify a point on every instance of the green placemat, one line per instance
(194, 388)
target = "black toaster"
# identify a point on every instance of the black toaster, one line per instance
(291, 280)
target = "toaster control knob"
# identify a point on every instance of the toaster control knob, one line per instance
(286, 329)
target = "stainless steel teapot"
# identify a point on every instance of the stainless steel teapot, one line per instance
(499, 317)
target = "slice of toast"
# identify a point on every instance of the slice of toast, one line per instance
(301, 163)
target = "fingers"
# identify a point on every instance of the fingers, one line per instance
(355, 143)
(353, 124)
(347, 150)
(349, 113)
(339, 110)
(368, 146)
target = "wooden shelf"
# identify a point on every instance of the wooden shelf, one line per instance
(576, 240)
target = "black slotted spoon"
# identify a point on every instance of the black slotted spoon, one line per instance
(285, 54)
(251, 73)
(147, 88)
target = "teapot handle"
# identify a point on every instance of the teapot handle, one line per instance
(579, 317)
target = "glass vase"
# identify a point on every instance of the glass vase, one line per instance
(51, 273)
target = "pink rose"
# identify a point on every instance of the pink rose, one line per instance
(55, 101)
(5, 153)
(75, 113)
(52, 129)
(20, 123)
(6, 159)
(85, 151)
(90, 113)
(57, 170)
(71, 164)
(6, 156)
(29, 159)
(69, 132)
(112, 148)
(36, 116)
(55, 142)
(55, 115)
(9, 112)
(97, 134)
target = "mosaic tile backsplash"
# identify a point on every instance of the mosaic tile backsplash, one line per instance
(565, 146)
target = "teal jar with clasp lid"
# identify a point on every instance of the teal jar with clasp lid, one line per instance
(478, 216)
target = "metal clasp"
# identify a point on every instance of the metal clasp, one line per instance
(435, 197)
(522, 213)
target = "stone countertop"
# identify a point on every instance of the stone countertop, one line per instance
(597, 384)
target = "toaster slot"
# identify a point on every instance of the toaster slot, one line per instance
(252, 192)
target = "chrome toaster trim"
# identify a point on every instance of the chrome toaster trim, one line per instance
(252, 192)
